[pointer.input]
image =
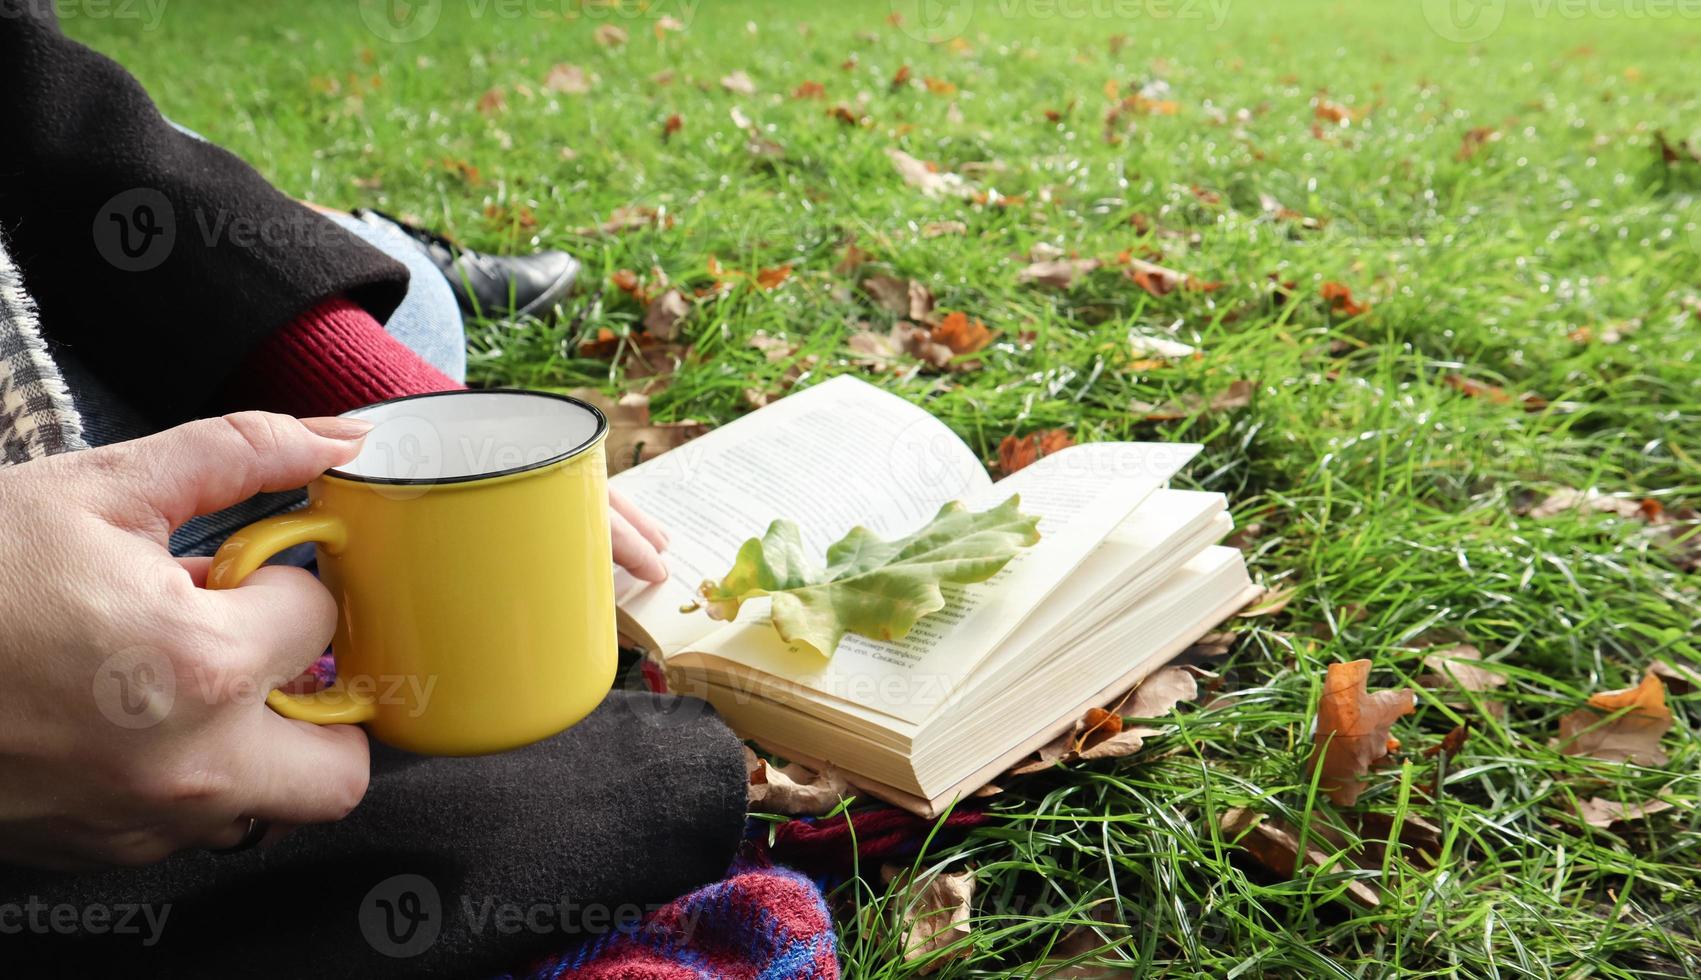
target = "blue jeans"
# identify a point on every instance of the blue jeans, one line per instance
(428, 321)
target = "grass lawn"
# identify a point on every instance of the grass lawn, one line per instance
(1386, 453)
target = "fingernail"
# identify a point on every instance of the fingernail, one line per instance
(337, 427)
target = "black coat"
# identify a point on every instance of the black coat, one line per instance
(159, 260)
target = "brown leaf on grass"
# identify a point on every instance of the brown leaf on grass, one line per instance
(642, 356)
(1456, 666)
(1568, 499)
(1340, 115)
(1274, 843)
(1101, 733)
(851, 259)
(808, 89)
(927, 178)
(1681, 677)
(630, 218)
(939, 86)
(901, 77)
(1620, 726)
(673, 124)
(568, 79)
(1269, 602)
(1079, 944)
(1474, 140)
(905, 297)
(493, 102)
(738, 83)
(1016, 454)
(1600, 812)
(878, 351)
(938, 229)
(611, 35)
(931, 914)
(1158, 694)
(1452, 742)
(962, 334)
(1057, 273)
(1340, 299)
(762, 279)
(1472, 388)
(1212, 645)
(1675, 154)
(848, 115)
(1159, 281)
(1352, 729)
(668, 24)
(661, 320)
(633, 437)
(792, 790)
(1237, 395)
(1280, 212)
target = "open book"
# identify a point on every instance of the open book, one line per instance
(1125, 576)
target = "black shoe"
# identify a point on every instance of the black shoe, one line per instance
(491, 285)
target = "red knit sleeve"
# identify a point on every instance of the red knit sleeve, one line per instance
(327, 361)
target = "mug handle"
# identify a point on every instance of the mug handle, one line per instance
(247, 550)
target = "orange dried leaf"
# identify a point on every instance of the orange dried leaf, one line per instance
(1600, 731)
(961, 334)
(1352, 729)
(1340, 299)
(1015, 454)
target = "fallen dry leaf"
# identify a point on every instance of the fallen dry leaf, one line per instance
(1599, 731)
(1154, 278)
(1456, 666)
(936, 229)
(1568, 499)
(1682, 677)
(1352, 729)
(792, 790)
(1016, 454)
(931, 914)
(905, 297)
(1237, 395)
(1058, 273)
(673, 125)
(738, 83)
(1472, 388)
(632, 437)
(763, 279)
(630, 218)
(1274, 843)
(809, 90)
(1474, 140)
(611, 35)
(568, 79)
(927, 179)
(1340, 299)
(493, 102)
(1600, 812)
(1676, 154)
(661, 320)
(1158, 694)
(961, 334)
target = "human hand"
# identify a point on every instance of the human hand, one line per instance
(638, 539)
(133, 720)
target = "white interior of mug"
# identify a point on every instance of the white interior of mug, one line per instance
(468, 435)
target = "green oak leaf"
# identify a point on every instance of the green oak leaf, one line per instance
(870, 586)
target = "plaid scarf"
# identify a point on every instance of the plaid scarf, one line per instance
(37, 417)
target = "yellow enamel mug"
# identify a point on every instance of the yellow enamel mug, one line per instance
(467, 547)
